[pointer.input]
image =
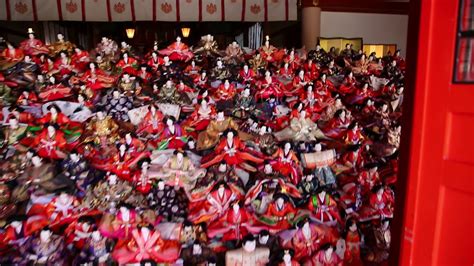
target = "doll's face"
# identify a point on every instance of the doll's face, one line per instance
(318, 147)
(280, 201)
(45, 235)
(169, 122)
(13, 122)
(161, 184)
(394, 63)
(250, 246)
(122, 148)
(166, 59)
(401, 89)
(267, 43)
(219, 63)
(125, 56)
(353, 227)
(145, 231)
(197, 249)
(63, 197)
(350, 75)
(287, 257)
(179, 156)
(51, 130)
(236, 207)
(221, 189)
(220, 115)
(286, 65)
(226, 83)
(112, 179)
(16, 224)
(96, 235)
(302, 114)
(301, 73)
(342, 115)
(287, 146)
(100, 115)
(116, 94)
(366, 86)
(27, 59)
(310, 88)
(204, 103)
(322, 194)
(385, 225)
(380, 192)
(191, 144)
(264, 238)
(178, 39)
(36, 160)
(63, 55)
(53, 111)
(10, 47)
(246, 68)
(267, 74)
(52, 80)
(306, 226)
(74, 157)
(329, 251)
(145, 165)
(31, 36)
(169, 83)
(222, 167)
(60, 36)
(268, 168)
(230, 135)
(384, 107)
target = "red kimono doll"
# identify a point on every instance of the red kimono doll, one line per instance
(324, 87)
(50, 143)
(234, 225)
(233, 152)
(380, 206)
(325, 257)
(80, 59)
(135, 146)
(307, 239)
(353, 134)
(121, 163)
(224, 95)
(63, 66)
(202, 115)
(79, 232)
(62, 209)
(152, 123)
(348, 84)
(54, 116)
(298, 84)
(285, 74)
(33, 46)
(10, 56)
(127, 64)
(359, 96)
(287, 258)
(268, 51)
(246, 75)
(145, 243)
(286, 162)
(293, 60)
(353, 158)
(144, 74)
(54, 91)
(202, 81)
(45, 63)
(27, 98)
(213, 206)
(121, 224)
(369, 178)
(95, 78)
(178, 51)
(311, 69)
(154, 62)
(192, 70)
(337, 125)
(269, 86)
(17, 233)
(323, 208)
(141, 179)
(172, 136)
(353, 241)
(279, 215)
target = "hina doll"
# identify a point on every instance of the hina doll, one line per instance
(77, 169)
(268, 51)
(216, 174)
(380, 205)
(246, 75)
(10, 56)
(45, 63)
(121, 224)
(269, 86)
(13, 132)
(212, 206)
(369, 177)
(207, 47)
(219, 73)
(168, 202)
(322, 167)
(197, 254)
(107, 194)
(126, 64)
(152, 123)
(7, 207)
(107, 49)
(80, 59)
(292, 59)
(353, 243)
(201, 117)
(95, 78)
(323, 208)
(306, 239)
(233, 54)
(249, 254)
(299, 83)
(33, 46)
(96, 249)
(62, 209)
(192, 70)
(102, 129)
(244, 104)
(46, 249)
(169, 94)
(128, 84)
(145, 243)
(378, 242)
(258, 63)
(51, 143)
(202, 81)
(27, 98)
(102, 64)
(23, 73)
(233, 152)
(54, 91)
(287, 163)
(224, 95)
(301, 128)
(311, 68)
(63, 67)
(210, 137)
(337, 125)
(177, 51)
(179, 171)
(6, 97)
(286, 75)
(172, 136)
(16, 236)
(60, 45)
(286, 258)
(326, 257)
(279, 215)
(117, 106)
(324, 87)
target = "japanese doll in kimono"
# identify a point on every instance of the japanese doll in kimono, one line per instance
(45, 63)
(234, 225)
(13, 134)
(54, 91)
(286, 75)
(307, 238)
(353, 243)
(212, 206)
(197, 254)
(352, 158)
(33, 46)
(169, 203)
(51, 143)
(62, 209)
(17, 233)
(287, 163)
(323, 208)
(141, 178)
(279, 215)
(202, 81)
(177, 51)
(286, 258)
(380, 205)
(378, 241)
(348, 84)
(268, 52)
(127, 64)
(301, 128)
(311, 68)
(23, 73)
(324, 87)
(313, 102)
(210, 137)
(80, 59)
(269, 86)
(244, 105)
(249, 254)
(234, 152)
(154, 62)
(145, 243)
(95, 78)
(7, 206)
(246, 75)
(102, 130)
(179, 171)
(326, 257)
(46, 249)
(258, 63)
(10, 56)
(337, 126)
(63, 66)
(233, 54)
(293, 59)
(96, 249)
(298, 84)
(123, 162)
(152, 124)
(360, 95)
(201, 117)
(368, 177)
(121, 224)
(107, 194)
(172, 136)
(224, 95)
(214, 175)
(78, 232)
(27, 98)
(353, 134)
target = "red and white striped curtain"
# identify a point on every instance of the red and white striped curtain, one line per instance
(148, 10)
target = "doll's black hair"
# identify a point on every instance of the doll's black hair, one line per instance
(248, 238)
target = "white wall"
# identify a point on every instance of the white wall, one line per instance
(373, 28)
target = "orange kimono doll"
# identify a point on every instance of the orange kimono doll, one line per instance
(50, 143)
(279, 215)
(323, 208)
